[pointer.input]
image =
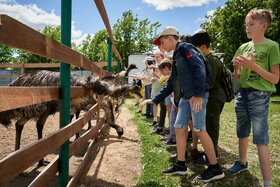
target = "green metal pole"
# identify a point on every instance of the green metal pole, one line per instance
(64, 103)
(109, 67)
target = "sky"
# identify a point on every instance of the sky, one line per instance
(185, 15)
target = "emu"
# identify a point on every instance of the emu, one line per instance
(41, 111)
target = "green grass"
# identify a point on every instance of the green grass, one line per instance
(155, 155)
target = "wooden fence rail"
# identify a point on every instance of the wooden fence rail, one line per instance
(17, 35)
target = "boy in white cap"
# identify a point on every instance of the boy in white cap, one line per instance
(190, 81)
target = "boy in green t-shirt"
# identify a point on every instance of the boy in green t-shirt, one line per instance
(256, 66)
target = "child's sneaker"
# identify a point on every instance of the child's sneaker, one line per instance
(153, 123)
(176, 169)
(211, 173)
(238, 167)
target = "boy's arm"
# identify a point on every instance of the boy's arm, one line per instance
(272, 76)
(147, 101)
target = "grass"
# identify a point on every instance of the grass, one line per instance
(156, 156)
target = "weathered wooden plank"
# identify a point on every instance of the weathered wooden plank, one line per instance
(17, 97)
(102, 11)
(18, 161)
(17, 35)
(30, 65)
(9, 76)
(47, 65)
(48, 173)
(75, 179)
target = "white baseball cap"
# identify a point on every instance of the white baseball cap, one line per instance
(148, 58)
(167, 31)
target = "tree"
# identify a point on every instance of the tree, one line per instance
(227, 28)
(133, 35)
(6, 54)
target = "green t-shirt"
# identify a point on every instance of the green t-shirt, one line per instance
(266, 54)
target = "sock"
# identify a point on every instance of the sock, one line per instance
(216, 166)
(181, 163)
(242, 161)
(267, 183)
(155, 119)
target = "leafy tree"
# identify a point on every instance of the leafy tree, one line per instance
(227, 28)
(133, 35)
(6, 54)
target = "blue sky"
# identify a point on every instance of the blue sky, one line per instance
(185, 15)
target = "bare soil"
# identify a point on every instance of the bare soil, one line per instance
(113, 161)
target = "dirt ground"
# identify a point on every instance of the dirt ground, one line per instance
(113, 161)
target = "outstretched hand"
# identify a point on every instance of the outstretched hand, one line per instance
(145, 102)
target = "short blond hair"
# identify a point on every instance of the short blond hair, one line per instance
(160, 53)
(263, 15)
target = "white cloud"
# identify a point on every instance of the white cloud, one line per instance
(79, 41)
(33, 16)
(169, 4)
(209, 13)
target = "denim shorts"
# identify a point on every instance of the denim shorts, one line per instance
(185, 114)
(168, 101)
(251, 108)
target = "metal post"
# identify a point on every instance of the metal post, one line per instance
(64, 104)
(109, 67)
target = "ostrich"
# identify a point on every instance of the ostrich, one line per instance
(40, 112)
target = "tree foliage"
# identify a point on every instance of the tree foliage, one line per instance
(6, 54)
(227, 28)
(133, 35)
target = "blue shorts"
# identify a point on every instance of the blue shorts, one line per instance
(185, 114)
(168, 101)
(251, 108)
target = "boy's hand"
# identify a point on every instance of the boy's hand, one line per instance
(196, 103)
(153, 79)
(242, 61)
(145, 102)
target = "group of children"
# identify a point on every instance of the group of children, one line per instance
(199, 98)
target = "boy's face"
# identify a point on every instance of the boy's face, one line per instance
(165, 71)
(254, 28)
(166, 43)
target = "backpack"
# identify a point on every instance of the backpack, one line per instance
(227, 82)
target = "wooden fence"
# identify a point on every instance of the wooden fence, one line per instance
(22, 67)
(20, 36)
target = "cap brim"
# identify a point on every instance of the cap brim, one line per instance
(156, 41)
